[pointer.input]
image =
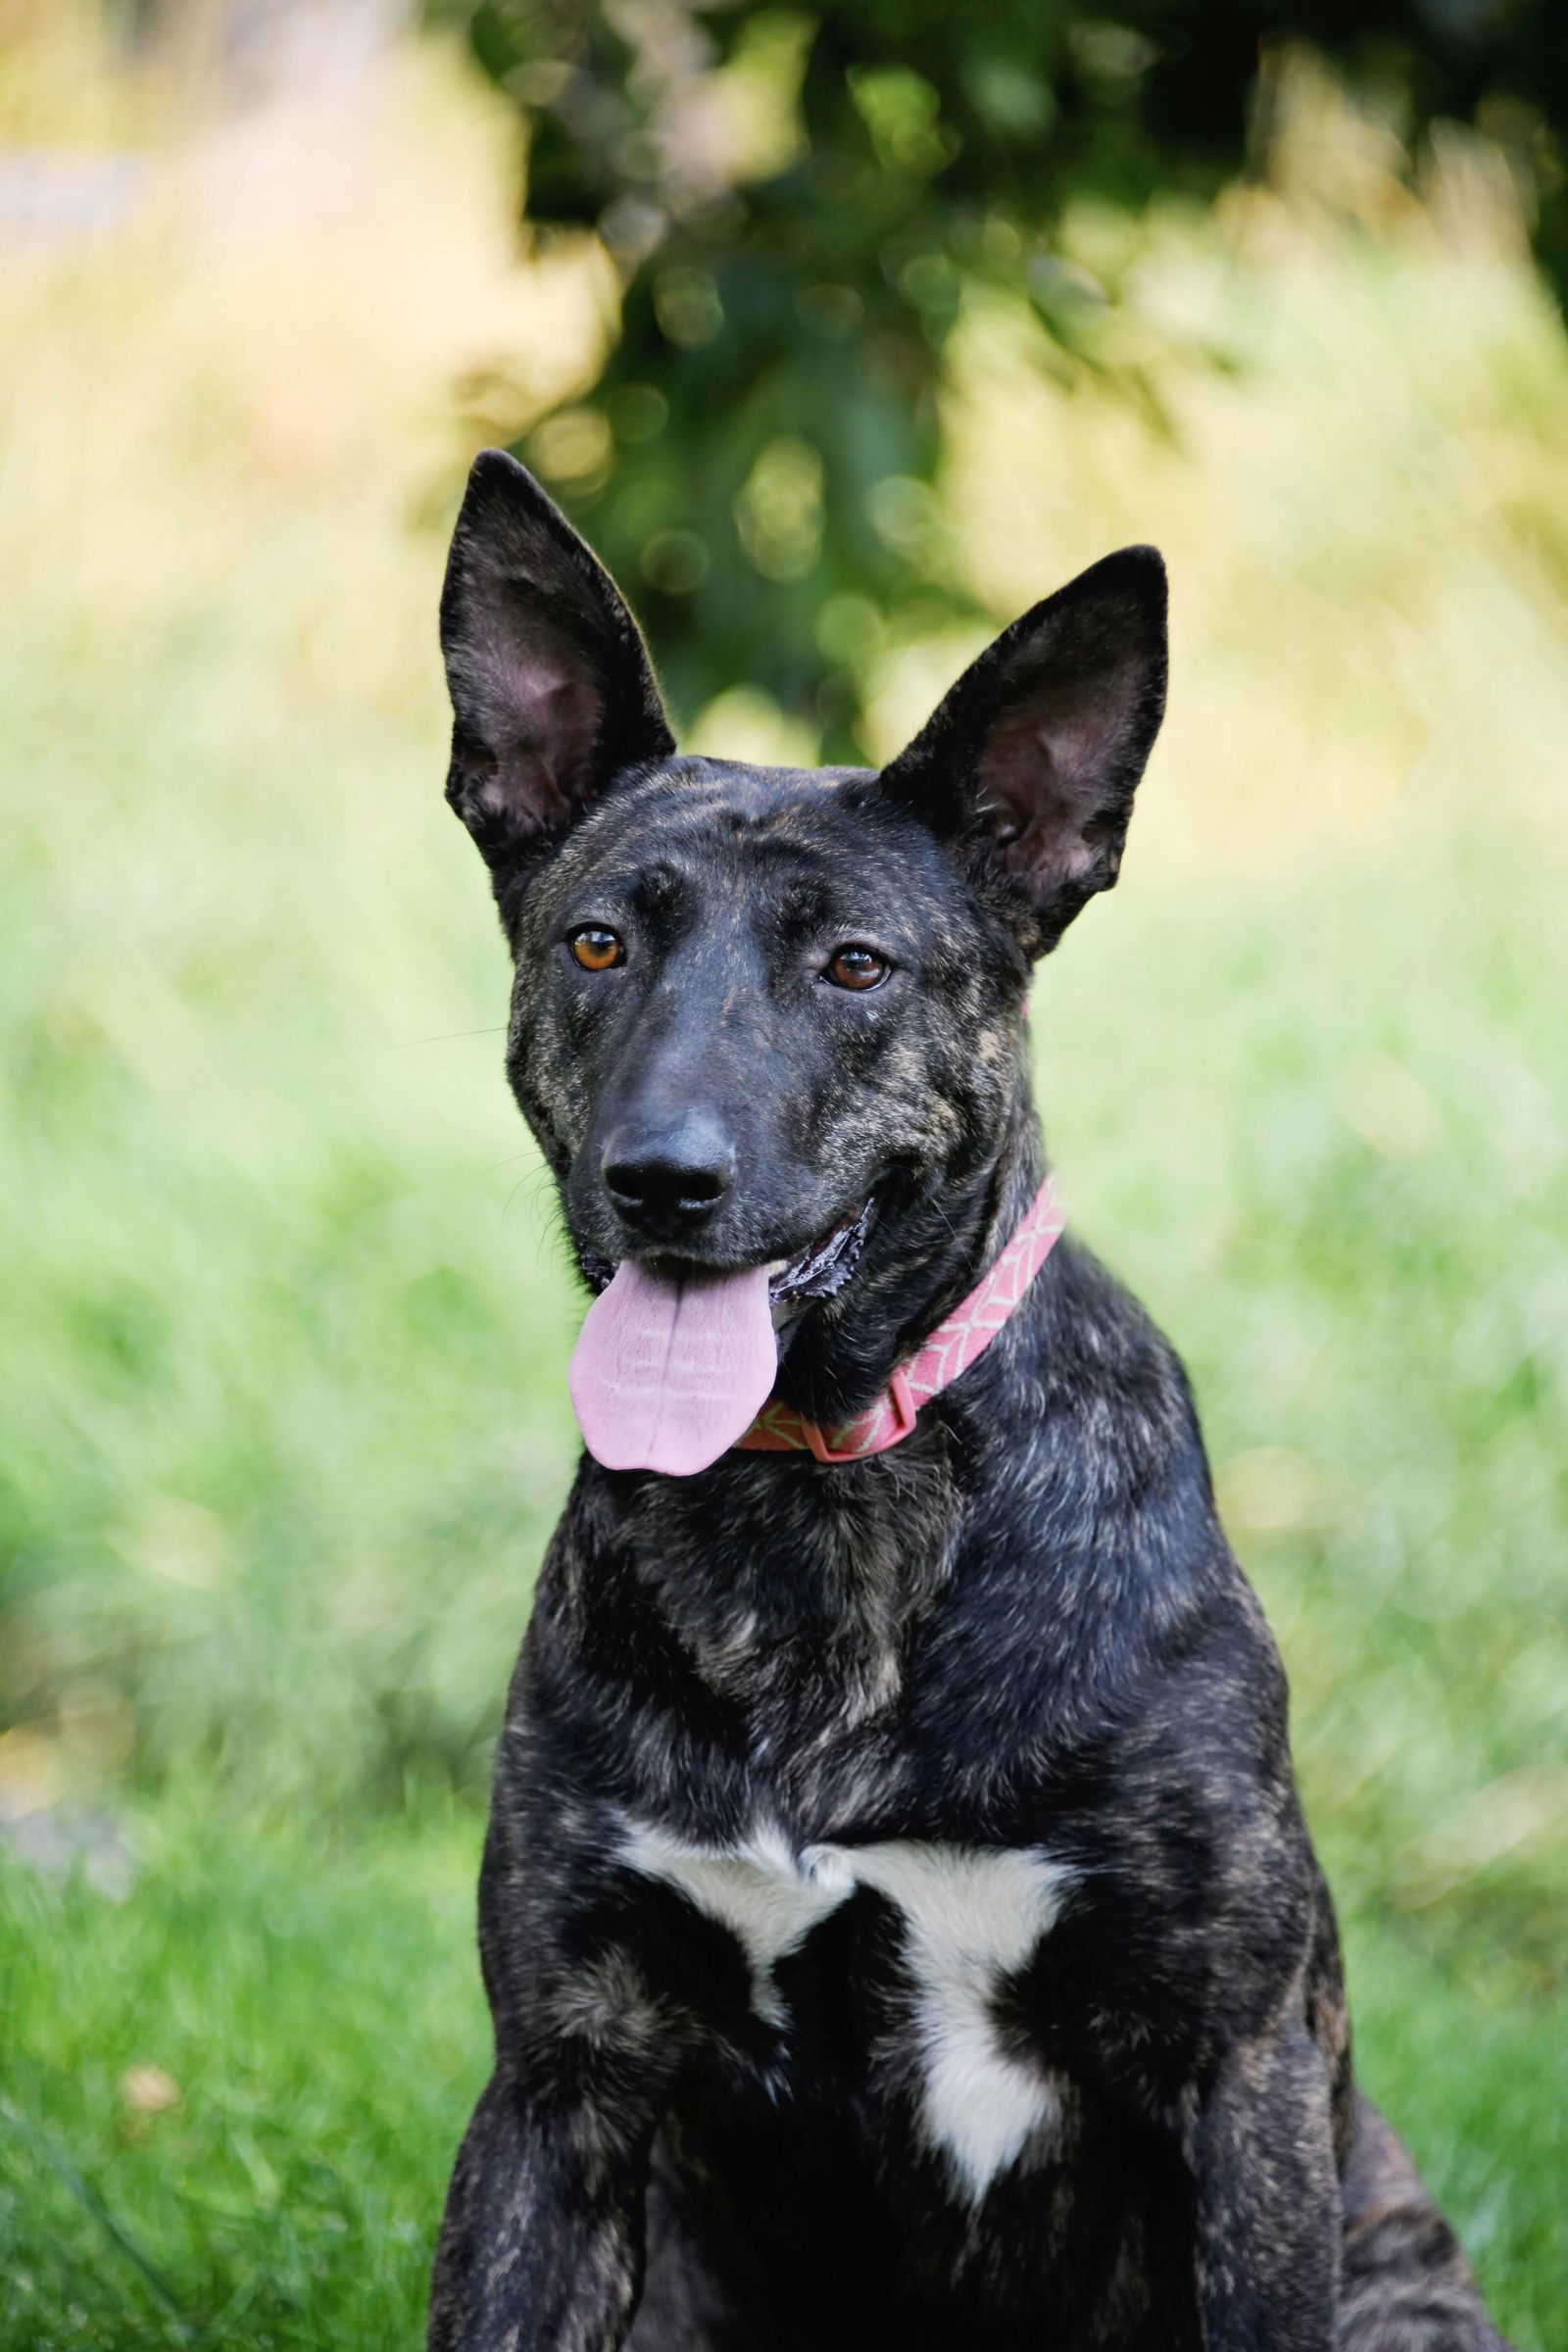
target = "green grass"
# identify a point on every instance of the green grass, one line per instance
(1322, 1126)
(283, 1377)
(314, 1998)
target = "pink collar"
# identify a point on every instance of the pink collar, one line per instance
(951, 1349)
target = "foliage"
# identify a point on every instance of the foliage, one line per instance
(798, 205)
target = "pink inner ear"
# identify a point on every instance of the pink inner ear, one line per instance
(1048, 771)
(542, 723)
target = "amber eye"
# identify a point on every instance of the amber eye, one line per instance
(595, 949)
(858, 967)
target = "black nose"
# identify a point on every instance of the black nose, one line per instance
(665, 1181)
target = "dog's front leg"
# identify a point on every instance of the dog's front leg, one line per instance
(541, 2246)
(1268, 2196)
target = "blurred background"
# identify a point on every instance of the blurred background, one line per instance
(843, 334)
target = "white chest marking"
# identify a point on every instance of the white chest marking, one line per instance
(768, 1899)
(970, 1917)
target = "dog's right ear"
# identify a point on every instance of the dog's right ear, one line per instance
(552, 689)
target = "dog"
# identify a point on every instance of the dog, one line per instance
(895, 1913)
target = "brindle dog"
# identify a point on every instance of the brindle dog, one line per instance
(897, 1916)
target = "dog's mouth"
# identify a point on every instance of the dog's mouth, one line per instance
(818, 1271)
(825, 1265)
(675, 1360)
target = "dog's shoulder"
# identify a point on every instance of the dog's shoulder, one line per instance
(1087, 1429)
(1103, 1359)
(1093, 1568)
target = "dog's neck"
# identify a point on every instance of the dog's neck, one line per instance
(799, 1626)
(925, 1258)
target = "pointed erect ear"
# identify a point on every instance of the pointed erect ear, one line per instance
(552, 689)
(1031, 763)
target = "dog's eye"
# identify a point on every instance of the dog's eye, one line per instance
(596, 949)
(858, 967)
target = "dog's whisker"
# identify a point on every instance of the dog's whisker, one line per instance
(445, 1037)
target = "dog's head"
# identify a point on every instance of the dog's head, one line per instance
(754, 1003)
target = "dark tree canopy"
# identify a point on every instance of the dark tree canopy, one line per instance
(755, 462)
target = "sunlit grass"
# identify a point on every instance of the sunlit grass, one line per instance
(280, 1366)
(235, 2093)
(232, 2093)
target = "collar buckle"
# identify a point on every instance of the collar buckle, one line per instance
(872, 1430)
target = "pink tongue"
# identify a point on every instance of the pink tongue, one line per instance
(667, 1374)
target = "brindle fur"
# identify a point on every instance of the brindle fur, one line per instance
(1022, 1627)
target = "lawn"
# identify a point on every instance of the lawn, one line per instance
(287, 1316)
(1317, 1124)
(233, 2093)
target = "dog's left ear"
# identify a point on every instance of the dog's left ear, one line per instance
(1031, 762)
(552, 689)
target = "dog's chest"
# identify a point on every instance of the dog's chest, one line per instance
(968, 1917)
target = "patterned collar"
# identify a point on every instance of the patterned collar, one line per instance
(951, 1349)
